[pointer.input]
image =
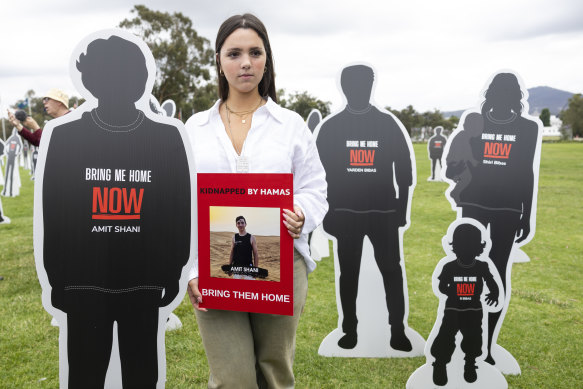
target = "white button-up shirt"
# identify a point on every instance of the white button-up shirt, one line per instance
(278, 141)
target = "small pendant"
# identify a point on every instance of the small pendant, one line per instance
(243, 121)
(242, 164)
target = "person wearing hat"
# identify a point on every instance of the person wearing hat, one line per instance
(56, 103)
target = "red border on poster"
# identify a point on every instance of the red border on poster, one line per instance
(245, 190)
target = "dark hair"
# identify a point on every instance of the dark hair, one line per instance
(114, 68)
(504, 90)
(239, 218)
(467, 240)
(267, 83)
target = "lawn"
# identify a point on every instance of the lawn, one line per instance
(542, 329)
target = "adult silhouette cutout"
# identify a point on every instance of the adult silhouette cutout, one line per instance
(368, 159)
(114, 233)
(492, 164)
(435, 146)
(468, 287)
(13, 148)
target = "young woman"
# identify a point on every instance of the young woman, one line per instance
(246, 131)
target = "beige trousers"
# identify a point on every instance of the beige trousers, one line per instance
(253, 350)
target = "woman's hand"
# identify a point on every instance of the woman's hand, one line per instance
(294, 221)
(194, 295)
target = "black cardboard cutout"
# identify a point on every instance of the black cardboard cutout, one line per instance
(370, 170)
(12, 149)
(113, 214)
(435, 147)
(492, 166)
(468, 287)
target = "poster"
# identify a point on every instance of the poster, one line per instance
(245, 258)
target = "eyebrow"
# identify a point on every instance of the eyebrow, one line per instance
(239, 49)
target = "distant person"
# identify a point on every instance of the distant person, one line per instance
(56, 103)
(462, 281)
(435, 146)
(500, 192)
(243, 249)
(118, 261)
(364, 153)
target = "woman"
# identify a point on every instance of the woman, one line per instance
(246, 131)
(500, 187)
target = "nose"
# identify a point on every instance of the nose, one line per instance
(246, 62)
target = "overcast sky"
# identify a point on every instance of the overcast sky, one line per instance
(430, 54)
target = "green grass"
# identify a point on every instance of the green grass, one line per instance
(542, 328)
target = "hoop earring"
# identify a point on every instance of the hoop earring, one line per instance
(265, 70)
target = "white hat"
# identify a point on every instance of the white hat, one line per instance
(59, 96)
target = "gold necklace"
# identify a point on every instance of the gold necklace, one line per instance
(242, 114)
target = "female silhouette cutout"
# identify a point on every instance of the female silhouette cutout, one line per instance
(500, 188)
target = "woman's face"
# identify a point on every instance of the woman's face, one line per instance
(242, 60)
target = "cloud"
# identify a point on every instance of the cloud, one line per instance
(428, 54)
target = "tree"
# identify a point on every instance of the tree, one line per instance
(453, 122)
(184, 59)
(303, 103)
(409, 117)
(573, 115)
(414, 121)
(545, 117)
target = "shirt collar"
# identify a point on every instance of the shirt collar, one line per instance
(272, 108)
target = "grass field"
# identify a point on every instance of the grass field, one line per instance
(543, 328)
